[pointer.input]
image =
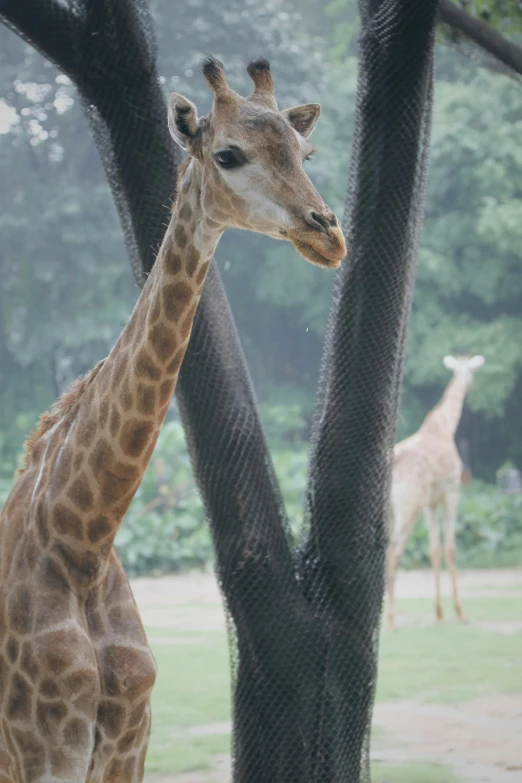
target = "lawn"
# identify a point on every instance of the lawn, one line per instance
(446, 663)
(413, 772)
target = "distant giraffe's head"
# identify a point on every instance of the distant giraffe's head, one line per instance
(251, 159)
(464, 367)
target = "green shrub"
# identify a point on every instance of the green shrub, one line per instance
(489, 530)
(165, 528)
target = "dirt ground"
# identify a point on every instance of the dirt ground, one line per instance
(480, 740)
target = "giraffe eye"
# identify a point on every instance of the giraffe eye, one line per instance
(229, 159)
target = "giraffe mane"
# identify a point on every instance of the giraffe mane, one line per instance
(72, 396)
(181, 171)
(68, 400)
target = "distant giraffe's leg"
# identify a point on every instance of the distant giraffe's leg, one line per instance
(451, 502)
(432, 520)
(396, 547)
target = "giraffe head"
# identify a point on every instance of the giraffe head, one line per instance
(464, 367)
(251, 160)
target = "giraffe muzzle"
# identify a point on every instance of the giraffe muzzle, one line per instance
(324, 246)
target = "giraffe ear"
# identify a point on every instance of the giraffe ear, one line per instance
(450, 363)
(303, 118)
(183, 121)
(475, 362)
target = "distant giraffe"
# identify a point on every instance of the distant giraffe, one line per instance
(427, 474)
(75, 669)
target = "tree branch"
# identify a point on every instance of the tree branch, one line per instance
(51, 28)
(481, 34)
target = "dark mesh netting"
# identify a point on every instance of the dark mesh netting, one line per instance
(304, 624)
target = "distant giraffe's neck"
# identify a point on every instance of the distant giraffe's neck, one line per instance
(96, 453)
(448, 412)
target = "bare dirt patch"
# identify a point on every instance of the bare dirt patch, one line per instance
(472, 584)
(192, 602)
(480, 739)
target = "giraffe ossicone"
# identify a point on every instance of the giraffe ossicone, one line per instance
(76, 671)
(427, 474)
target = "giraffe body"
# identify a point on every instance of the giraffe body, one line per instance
(76, 672)
(426, 479)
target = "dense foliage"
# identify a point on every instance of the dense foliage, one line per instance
(503, 15)
(165, 529)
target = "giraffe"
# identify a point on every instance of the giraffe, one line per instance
(426, 478)
(76, 672)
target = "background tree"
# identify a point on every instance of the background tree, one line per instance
(65, 290)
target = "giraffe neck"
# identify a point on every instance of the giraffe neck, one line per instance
(446, 415)
(94, 457)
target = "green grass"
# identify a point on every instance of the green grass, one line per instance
(445, 663)
(413, 772)
(192, 689)
(448, 663)
(475, 609)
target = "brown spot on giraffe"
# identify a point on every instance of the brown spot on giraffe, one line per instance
(176, 298)
(165, 392)
(20, 610)
(58, 652)
(111, 717)
(32, 550)
(175, 363)
(98, 528)
(180, 236)
(163, 341)
(193, 257)
(135, 436)
(118, 372)
(41, 523)
(52, 576)
(19, 701)
(125, 397)
(145, 367)
(186, 325)
(66, 522)
(78, 460)
(146, 399)
(80, 493)
(173, 263)
(76, 734)
(202, 273)
(28, 661)
(75, 667)
(12, 649)
(49, 717)
(155, 311)
(114, 422)
(185, 212)
(104, 413)
(49, 689)
(128, 768)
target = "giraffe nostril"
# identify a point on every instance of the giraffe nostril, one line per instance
(331, 218)
(321, 222)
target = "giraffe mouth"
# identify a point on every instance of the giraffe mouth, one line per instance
(327, 250)
(311, 254)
